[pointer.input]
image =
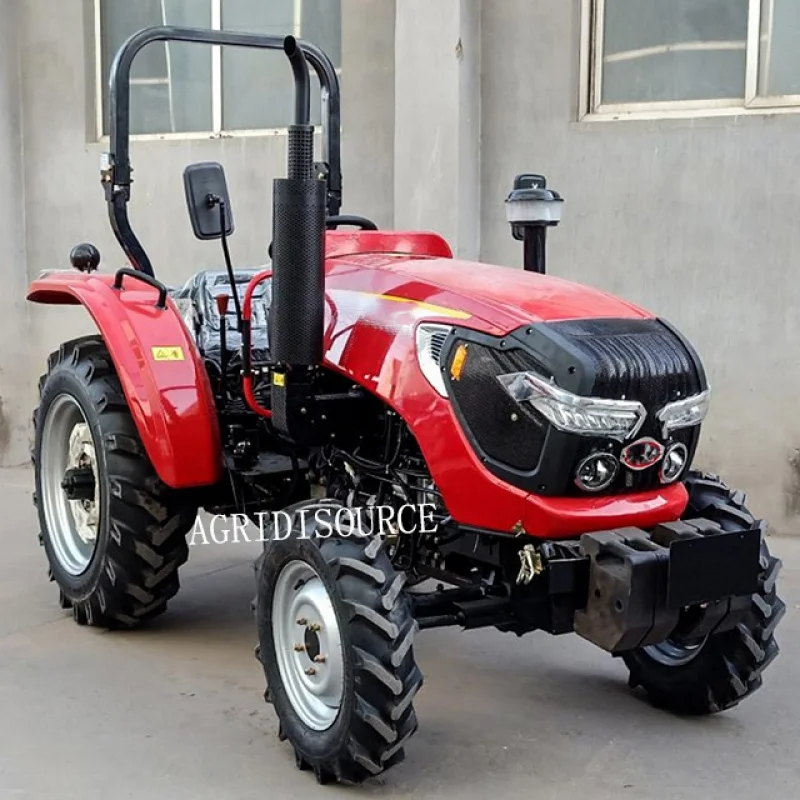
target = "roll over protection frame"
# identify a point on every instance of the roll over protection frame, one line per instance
(116, 169)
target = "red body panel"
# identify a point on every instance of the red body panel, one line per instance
(347, 243)
(171, 401)
(375, 301)
(379, 287)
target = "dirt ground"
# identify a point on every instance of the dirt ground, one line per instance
(176, 711)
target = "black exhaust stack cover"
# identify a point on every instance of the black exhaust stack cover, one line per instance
(297, 314)
(298, 284)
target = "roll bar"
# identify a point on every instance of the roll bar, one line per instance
(116, 169)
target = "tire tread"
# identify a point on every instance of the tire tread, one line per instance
(148, 521)
(381, 630)
(730, 667)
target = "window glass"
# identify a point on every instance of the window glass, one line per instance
(657, 50)
(779, 71)
(170, 83)
(258, 90)
(321, 24)
(256, 84)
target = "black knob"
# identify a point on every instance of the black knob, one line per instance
(85, 257)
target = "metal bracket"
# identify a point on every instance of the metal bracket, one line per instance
(530, 565)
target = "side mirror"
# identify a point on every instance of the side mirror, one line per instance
(207, 200)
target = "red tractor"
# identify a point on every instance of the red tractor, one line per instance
(524, 441)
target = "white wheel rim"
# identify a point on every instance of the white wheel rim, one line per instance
(672, 654)
(308, 645)
(72, 525)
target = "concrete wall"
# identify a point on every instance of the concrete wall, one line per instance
(15, 388)
(437, 120)
(696, 220)
(368, 108)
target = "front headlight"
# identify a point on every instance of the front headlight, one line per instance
(684, 413)
(585, 416)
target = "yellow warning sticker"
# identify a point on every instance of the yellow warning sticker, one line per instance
(167, 353)
(278, 379)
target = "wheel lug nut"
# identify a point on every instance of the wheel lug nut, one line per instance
(315, 627)
(320, 659)
(302, 621)
(299, 648)
(311, 671)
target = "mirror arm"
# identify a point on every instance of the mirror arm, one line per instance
(212, 201)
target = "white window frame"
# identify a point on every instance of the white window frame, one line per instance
(591, 108)
(218, 131)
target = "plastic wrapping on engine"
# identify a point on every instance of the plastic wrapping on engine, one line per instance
(197, 305)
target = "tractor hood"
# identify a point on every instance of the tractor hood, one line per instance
(379, 288)
(498, 299)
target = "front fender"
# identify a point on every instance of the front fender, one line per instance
(160, 369)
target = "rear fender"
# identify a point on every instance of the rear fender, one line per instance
(160, 369)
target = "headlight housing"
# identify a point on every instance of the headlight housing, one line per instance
(596, 472)
(584, 416)
(684, 413)
(430, 339)
(675, 460)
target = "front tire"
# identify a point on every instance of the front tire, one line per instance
(113, 533)
(336, 636)
(716, 674)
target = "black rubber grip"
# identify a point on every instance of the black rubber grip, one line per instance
(298, 282)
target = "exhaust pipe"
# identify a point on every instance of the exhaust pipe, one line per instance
(298, 248)
(297, 313)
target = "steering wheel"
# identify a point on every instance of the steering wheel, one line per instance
(332, 223)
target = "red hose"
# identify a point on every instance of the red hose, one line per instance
(247, 311)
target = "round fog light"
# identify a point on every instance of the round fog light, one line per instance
(596, 472)
(674, 461)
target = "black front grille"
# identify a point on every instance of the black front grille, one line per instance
(636, 359)
(504, 431)
(643, 360)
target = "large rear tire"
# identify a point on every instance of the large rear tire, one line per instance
(715, 674)
(113, 533)
(336, 636)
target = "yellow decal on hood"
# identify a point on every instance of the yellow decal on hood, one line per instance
(441, 311)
